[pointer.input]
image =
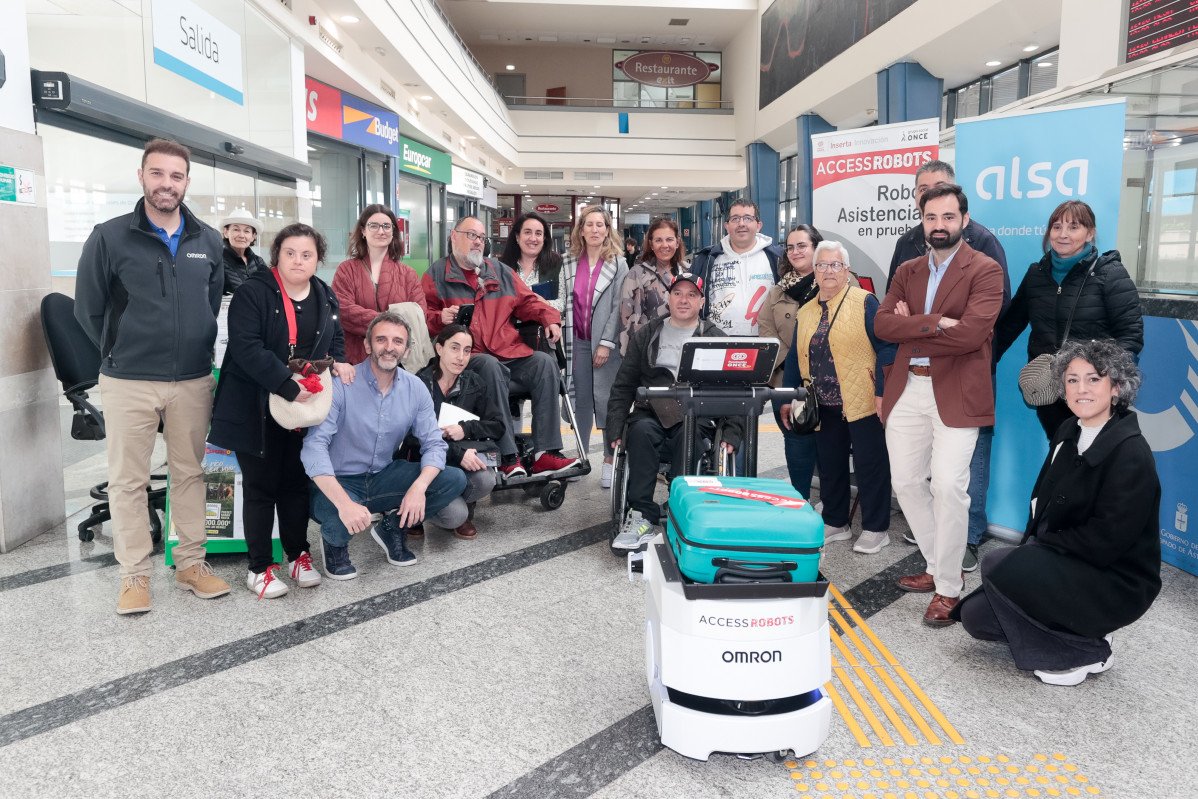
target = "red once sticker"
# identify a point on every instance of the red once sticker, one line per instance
(740, 359)
(757, 496)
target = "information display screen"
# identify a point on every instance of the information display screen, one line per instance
(1156, 25)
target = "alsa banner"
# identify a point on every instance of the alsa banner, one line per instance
(1016, 170)
(757, 496)
(864, 189)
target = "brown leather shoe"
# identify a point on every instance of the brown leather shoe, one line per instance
(938, 610)
(918, 583)
(466, 530)
(416, 531)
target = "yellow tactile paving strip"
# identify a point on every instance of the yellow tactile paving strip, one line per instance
(876, 697)
(939, 778)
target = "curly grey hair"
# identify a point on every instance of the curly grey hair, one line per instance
(1108, 359)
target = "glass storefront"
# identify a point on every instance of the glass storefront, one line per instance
(336, 197)
(1158, 210)
(412, 209)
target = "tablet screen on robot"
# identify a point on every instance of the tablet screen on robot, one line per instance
(728, 361)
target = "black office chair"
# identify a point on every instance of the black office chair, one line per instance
(77, 366)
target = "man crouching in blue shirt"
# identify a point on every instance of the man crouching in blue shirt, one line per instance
(349, 455)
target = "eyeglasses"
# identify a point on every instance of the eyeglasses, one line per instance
(798, 247)
(830, 266)
(374, 227)
(471, 235)
(736, 220)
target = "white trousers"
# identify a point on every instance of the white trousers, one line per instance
(922, 446)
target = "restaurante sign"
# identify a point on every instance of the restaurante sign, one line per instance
(657, 68)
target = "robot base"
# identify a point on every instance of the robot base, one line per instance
(697, 735)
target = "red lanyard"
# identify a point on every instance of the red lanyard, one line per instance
(289, 310)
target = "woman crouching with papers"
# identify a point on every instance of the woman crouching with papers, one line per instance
(471, 422)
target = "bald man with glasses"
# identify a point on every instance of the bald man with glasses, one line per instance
(500, 356)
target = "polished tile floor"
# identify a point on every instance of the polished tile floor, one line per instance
(513, 665)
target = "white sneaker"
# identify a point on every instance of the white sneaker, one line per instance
(837, 533)
(266, 585)
(871, 543)
(303, 572)
(605, 480)
(1073, 676)
(634, 529)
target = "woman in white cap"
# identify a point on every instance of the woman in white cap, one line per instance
(240, 230)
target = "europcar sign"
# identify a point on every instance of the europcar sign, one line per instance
(657, 68)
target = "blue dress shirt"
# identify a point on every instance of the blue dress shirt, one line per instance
(937, 274)
(365, 427)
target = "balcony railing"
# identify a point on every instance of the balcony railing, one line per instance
(516, 101)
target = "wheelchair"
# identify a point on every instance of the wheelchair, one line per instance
(708, 458)
(550, 489)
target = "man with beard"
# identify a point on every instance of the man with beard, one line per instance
(350, 455)
(913, 244)
(147, 293)
(941, 311)
(467, 277)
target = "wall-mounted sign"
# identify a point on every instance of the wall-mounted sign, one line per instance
(334, 113)
(420, 159)
(16, 185)
(547, 208)
(196, 45)
(1156, 25)
(466, 183)
(657, 68)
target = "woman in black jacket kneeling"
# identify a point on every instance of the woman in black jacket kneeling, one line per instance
(255, 367)
(1090, 559)
(474, 443)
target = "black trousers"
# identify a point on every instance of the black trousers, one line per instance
(646, 442)
(275, 482)
(866, 439)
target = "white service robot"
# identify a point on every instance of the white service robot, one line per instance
(736, 668)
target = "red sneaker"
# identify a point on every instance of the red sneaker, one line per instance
(512, 470)
(553, 463)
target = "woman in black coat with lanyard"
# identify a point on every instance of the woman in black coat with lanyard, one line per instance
(254, 367)
(1090, 559)
(1072, 293)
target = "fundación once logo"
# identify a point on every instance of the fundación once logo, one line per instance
(1070, 179)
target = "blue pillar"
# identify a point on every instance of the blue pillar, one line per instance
(808, 125)
(701, 232)
(762, 183)
(907, 92)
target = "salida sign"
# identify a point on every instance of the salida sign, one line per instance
(657, 68)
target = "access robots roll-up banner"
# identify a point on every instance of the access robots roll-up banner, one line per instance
(1016, 170)
(864, 189)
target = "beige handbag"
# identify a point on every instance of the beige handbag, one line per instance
(309, 374)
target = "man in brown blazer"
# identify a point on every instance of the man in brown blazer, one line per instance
(940, 310)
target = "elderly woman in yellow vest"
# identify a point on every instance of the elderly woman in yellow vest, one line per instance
(835, 349)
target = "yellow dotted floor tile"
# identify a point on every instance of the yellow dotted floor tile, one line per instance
(941, 777)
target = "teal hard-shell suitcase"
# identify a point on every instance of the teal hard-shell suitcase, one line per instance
(743, 529)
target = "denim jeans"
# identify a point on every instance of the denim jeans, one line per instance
(384, 491)
(979, 482)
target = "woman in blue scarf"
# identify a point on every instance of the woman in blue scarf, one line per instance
(1074, 293)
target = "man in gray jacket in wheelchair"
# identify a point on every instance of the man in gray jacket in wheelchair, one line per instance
(652, 431)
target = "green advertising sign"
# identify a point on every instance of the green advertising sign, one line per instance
(420, 159)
